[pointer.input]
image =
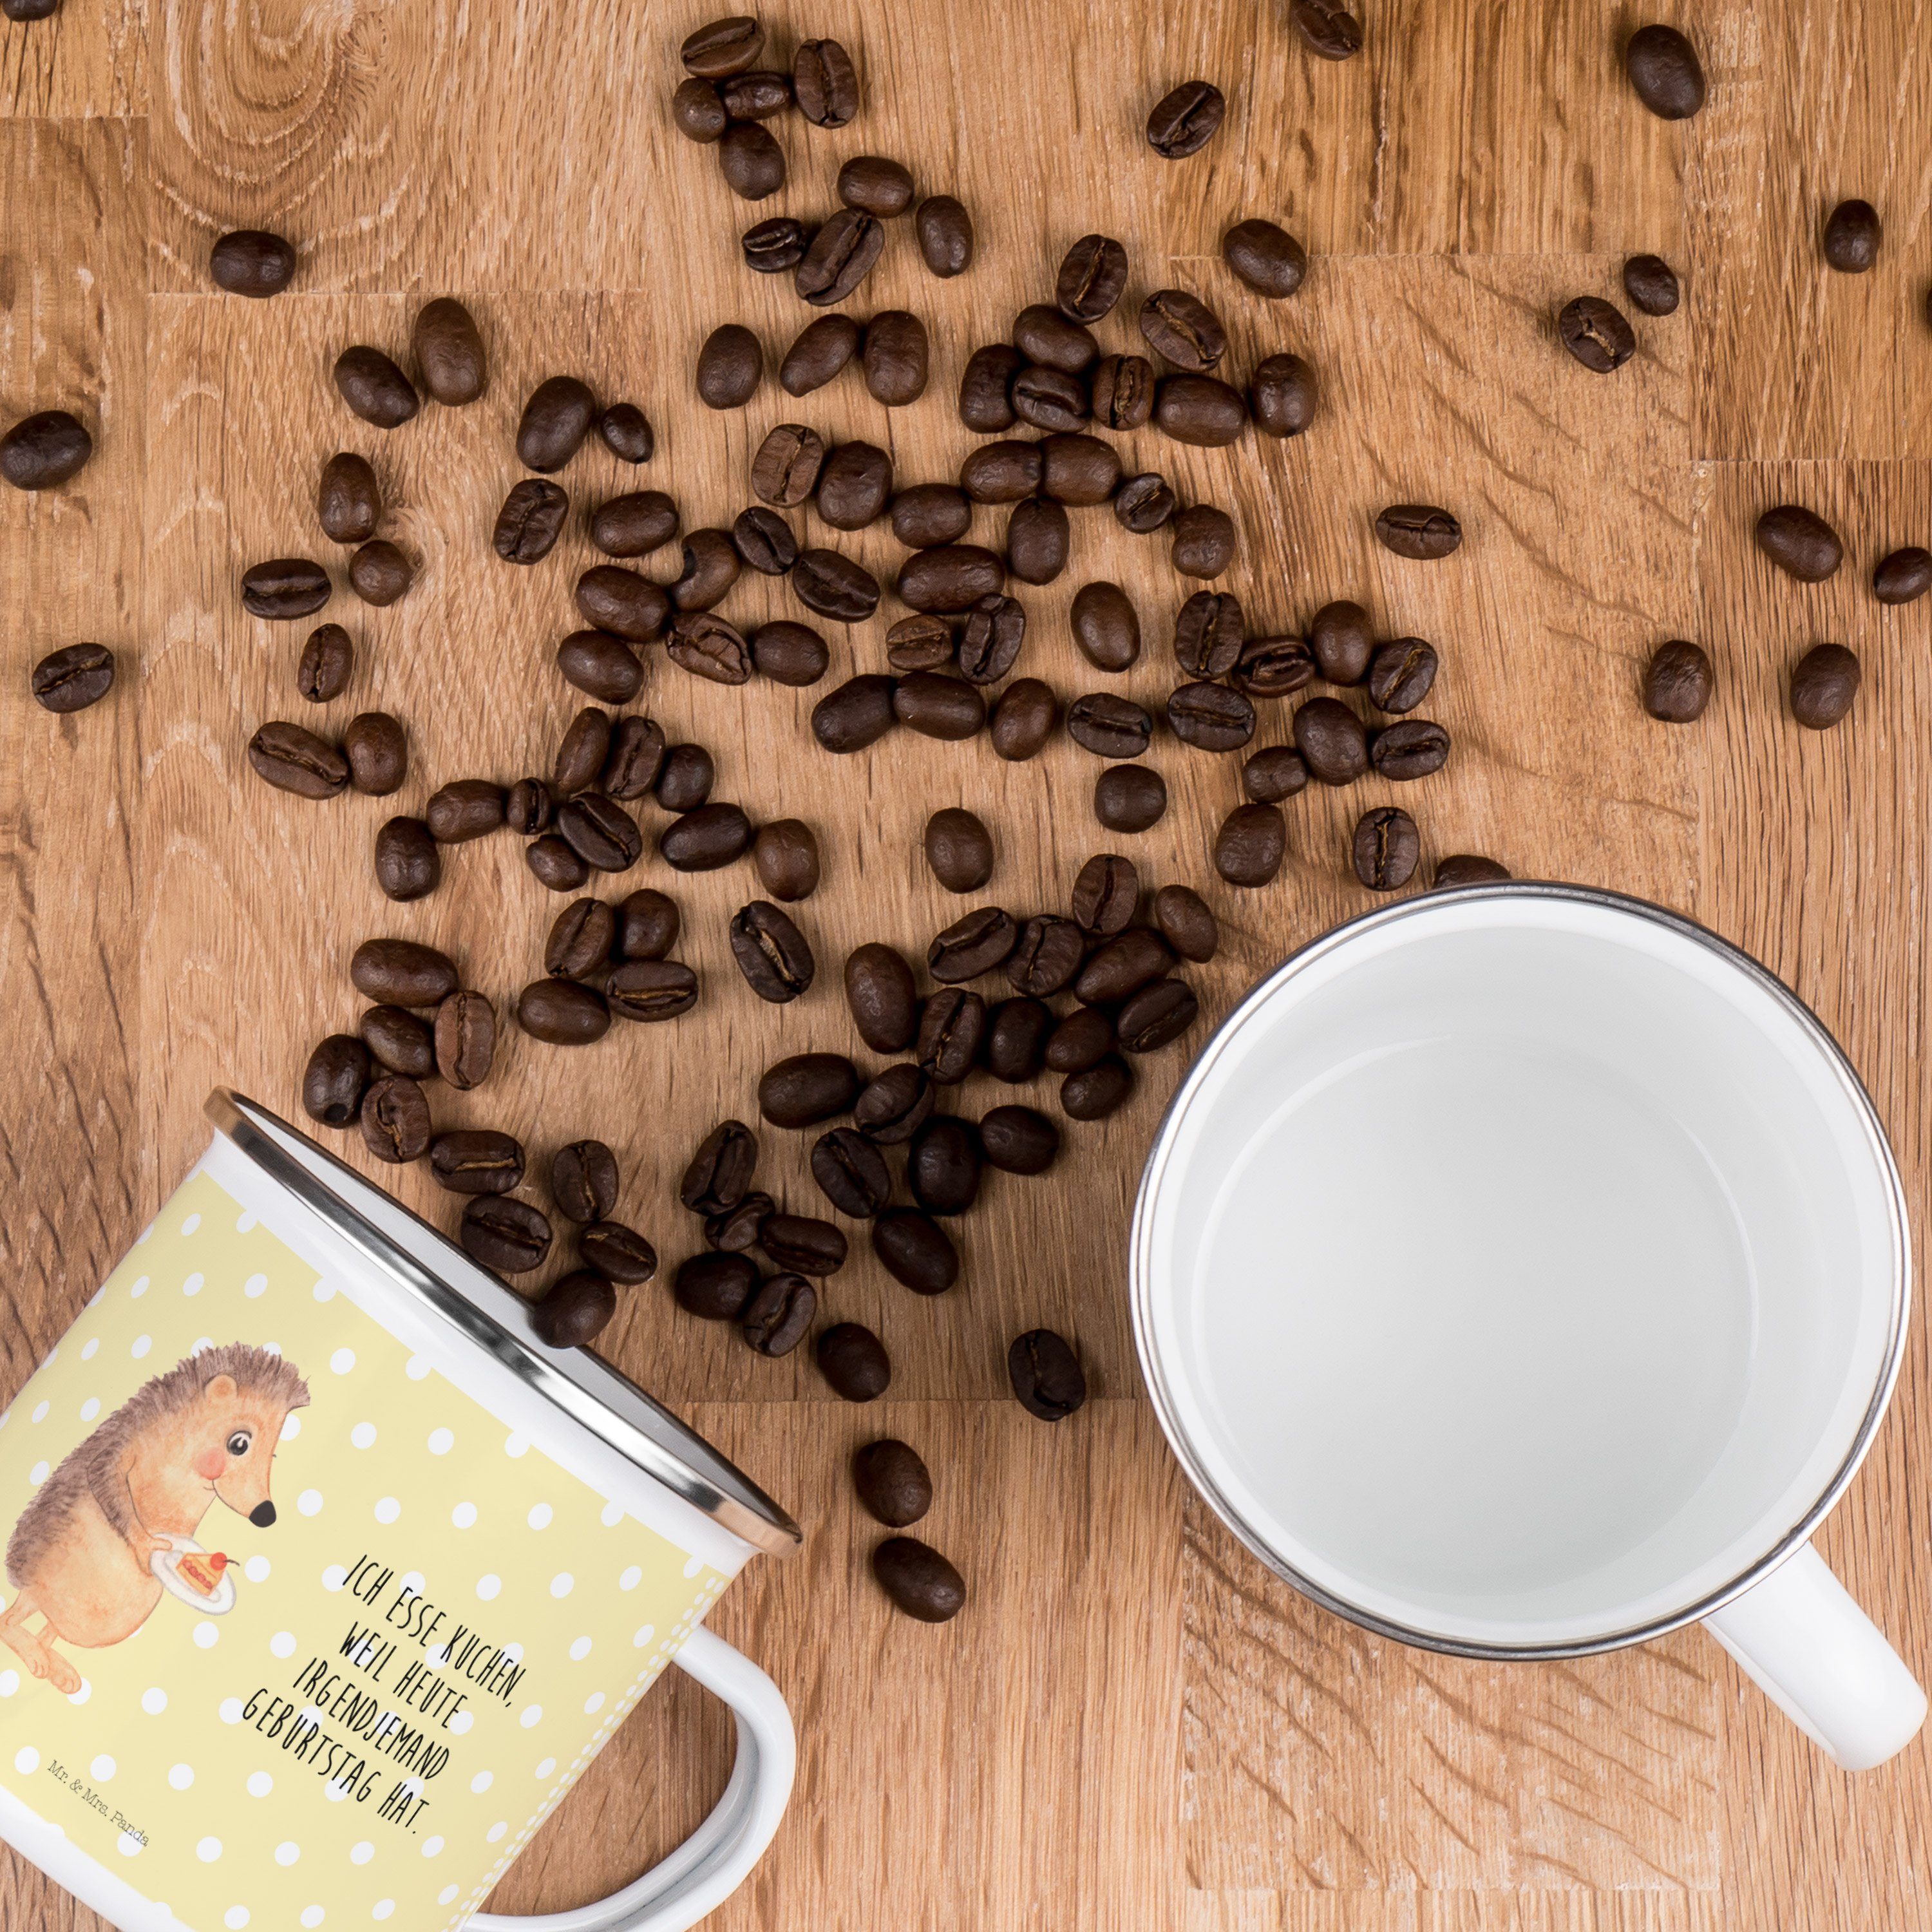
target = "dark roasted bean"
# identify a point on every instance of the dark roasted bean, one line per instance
(634, 524)
(71, 679)
(1343, 641)
(857, 714)
(702, 643)
(601, 666)
(771, 952)
(1250, 845)
(806, 1088)
(465, 808)
(378, 573)
(917, 1251)
(246, 261)
(555, 422)
(327, 660)
(731, 365)
(600, 832)
(1332, 739)
(395, 1119)
(377, 750)
(775, 247)
(1045, 336)
(942, 1166)
(333, 1081)
(1202, 410)
(991, 637)
(1385, 848)
(1400, 673)
(1468, 868)
(1183, 121)
(1015, 1040)
(1023, 719)
(879, 990)
(1120, 392)
(649, 990)
(786, 856)
(1418, 530)
(720, 1171)
(1129, 798)
(737, 1229)
(449, 352)
(1281, 395)
(1182, 329)
(477, 1160)
(851, 1172)
(1204, 541)
(1093, 274)
(711, 567)
(853, 1360)
(1109, 726)
(1272, 667)
(1187, 923)
(584, 1181)
(834, 587)
(752, 163)
(892, 1482)
(1210, 717)
(1106, 893)
(896, 358)
(1082, 1039)
(647, 924)
(562, 1012)
(945, 232)
(374, 388)
(785, 470)
(928, 514)
(1800, 542)
(1125, 963)
(1327, 27)
(1160, 1012)
(716, 1286)
(348, 502)
(697, 109)
(841, 257)
(622, 602)
(43, 451)
(984, 400)
(921, 643)
(702, 840)
(626, 433)
(530, 522)
(581, 753)
(398, 1041)
(408, 865)
(528, 808)
(1823, 683)
(779, 1315)
(581, 938)
(1267, 258)
(951, 1026)
(919, 1581)
(972, 945)
(1098, 1091)
(1018, 1140)
(1002, 472)
(1106, 626)
(875, 185)
(854, 485)
(1050, 399)
(1903, 576)
(1207, 634)
(1651, 284)
(554, 865)
(1596, 333)
(1047, 956)
(1663, 68)
(466, 1039)
(1038, 539)
(755, 96)
(574, 1310)
(286, 587)
(801, 1244)
(722, 46)
(937, 706)
(511, 1237)
(1277, 773)
(824, 83)
(789, 653)
(1411, 749)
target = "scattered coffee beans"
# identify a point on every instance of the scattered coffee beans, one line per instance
(1664, 70)
(1385, 848)
(1852, 233)
(893, 1483)
(1823, 683)
(1800, 542)
(1045, 1375)
(1677, 683)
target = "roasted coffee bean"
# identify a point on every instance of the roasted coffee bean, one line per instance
(942, 1166)
(1002, 472)
(1018, 1140)
(1109, 726)
(574, 1310)
(1038, 539)
(991, 637)
(1050, 399)
(1046, 337)
(851, 1172)
(1159, 1012)
(1677, 683)
(1208, 634)
(378, 752)
(1015, 1040)
(1187, 923)
(636, 760)
(1281, 395)
(731, 365)
(806, 1088)
(841, 256)
(1044, 1372)
(1183, 121)
(893, 1483)
(511, 1237)
(702, 643)
(622, 602)
(896, 358)
(1046, 956)
(348, 502)
(327, 660)
(1183, 330)
(1204, 541)
(466, 1039)
(720, 1172)
(398, 1041)
(1823, 683)
(333, 1081)
(293, 760)
(1106, 892)
(581, 939)
(879, 990)
(936, 706)
(44, 450)
(785, 470)
(1202, 410)
(712, 565)
(789, 653)
(1401, 673)
(1852, 233)
(703, 840)
(834, 587)
(876, 185)
(581, 754)
(618, 1253)
(631, 525)
(1385, 848)
(1129, 798)
(378, 572)
(972, 945)
(917, 1252)
(737, 1228)
(755, 96)
(375, 388)
(684, 778)
(824, 83)
(647, 926)
(1023, 719)
(449, 353)
(563, 1013)
(921, 643)
(477, 1160)
(1800, 542)
(74, 677)
(1418, 531)
(553, 864)
(1651, 283)
(1664, 70)
(1093, 275)
(1342, 642)
(465, 808)
(986, 404)
(945, 232)
(857, 714)
(1106, 626)
(752, 163)
(1120, 394)
(854, 485)
(1125, 963)
(248, 261)
(697, 110)
(286, 587)
(1333, 740)
(600, 832)
(408, 865)
(529, 523)
(1412, 749)
(952, 1025)
(779, 1314)
(1098, 1091)
(584, 1181)
(716, 1286)
(772, 248)
(800, 1244)
(786, 855)
(929, 515)
(853, 1361)
(1267, 258)
(1210, 717)
(722, 47)
(555, 422)
(1468, 869)
(1250, 845)
(771, 952)
(395, 1119)
(601, 666)
(1082, 1039)
(626, 433)
(1596, 333)
(1273, 774)
(919, 1580)
(649, 990)
(1902, 577)
(1272, 667)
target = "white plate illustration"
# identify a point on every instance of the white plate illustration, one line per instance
(166, 1564)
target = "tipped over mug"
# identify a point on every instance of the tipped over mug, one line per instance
(326, 1578)
(1522, 1271)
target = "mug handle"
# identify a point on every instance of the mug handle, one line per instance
(711, 1863)
(1822, 1662)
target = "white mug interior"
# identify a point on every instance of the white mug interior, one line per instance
(1520, 1269)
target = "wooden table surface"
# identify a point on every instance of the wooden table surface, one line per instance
(1133, 1723)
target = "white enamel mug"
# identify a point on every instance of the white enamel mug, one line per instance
(1522, 1272)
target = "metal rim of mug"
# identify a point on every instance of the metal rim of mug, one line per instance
(584, 1387)
(1223, 1041)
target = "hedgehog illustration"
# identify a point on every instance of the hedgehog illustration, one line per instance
(79, 1556)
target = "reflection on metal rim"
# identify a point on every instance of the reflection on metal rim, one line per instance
(1222, 1041)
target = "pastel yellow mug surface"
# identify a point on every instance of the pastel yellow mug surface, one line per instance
(325, 1578)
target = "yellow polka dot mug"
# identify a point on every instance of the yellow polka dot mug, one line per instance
(325, 1578)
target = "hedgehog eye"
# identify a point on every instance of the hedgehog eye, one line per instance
(237, 1443)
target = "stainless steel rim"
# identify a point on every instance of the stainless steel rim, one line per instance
(435, 1273)
(1223, 1038)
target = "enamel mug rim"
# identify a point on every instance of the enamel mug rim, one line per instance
(1144, 1290)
